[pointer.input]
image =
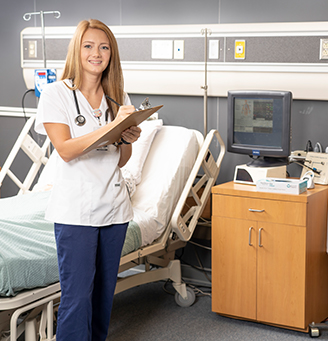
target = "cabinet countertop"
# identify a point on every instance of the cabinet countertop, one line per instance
(235, 189)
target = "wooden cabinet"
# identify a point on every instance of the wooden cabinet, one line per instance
(269, 260)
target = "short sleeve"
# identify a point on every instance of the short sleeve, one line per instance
(51, 107)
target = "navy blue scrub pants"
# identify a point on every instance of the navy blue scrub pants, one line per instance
(88, 261)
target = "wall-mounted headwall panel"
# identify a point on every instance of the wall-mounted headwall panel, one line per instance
(276, 56)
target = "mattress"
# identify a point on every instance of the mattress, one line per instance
(28, 251)
(28, 257)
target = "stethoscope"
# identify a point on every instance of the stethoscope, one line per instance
(80, 119)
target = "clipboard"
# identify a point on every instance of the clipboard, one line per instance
(114, 132)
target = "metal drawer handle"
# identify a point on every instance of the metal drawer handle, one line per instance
(254, 210)
(250, 236)
(260, 237)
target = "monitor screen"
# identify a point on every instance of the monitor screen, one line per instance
(259, 125)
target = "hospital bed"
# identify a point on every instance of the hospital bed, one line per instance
(169, 165)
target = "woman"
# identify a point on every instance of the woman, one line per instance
(89, 203)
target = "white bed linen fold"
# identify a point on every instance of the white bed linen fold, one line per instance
(165, 172)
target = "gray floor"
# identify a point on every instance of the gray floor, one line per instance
(149, 313)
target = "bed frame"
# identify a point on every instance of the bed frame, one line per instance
(32, 311)
(37, 154)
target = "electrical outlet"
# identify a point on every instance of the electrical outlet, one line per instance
(214, 49)
(32, 53)
(323, 48)
(161, 49)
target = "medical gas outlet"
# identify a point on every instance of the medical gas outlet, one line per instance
(178, 49)
(240, 46)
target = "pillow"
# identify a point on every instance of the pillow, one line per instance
(140, 149)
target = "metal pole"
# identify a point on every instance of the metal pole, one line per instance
(205, 87)
(43, 40)
(27, 17)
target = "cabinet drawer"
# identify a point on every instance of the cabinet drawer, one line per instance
(283, 212)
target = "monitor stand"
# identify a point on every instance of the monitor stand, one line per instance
(250, 175)
(267, 161)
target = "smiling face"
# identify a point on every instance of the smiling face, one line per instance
(95, 51)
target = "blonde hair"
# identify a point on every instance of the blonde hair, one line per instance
(112, 77)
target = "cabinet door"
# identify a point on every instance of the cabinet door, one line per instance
(234, 267)
(281, 274)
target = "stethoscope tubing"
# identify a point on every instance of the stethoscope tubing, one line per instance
(80, 119)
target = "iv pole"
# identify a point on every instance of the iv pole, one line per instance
(205, 87)
(27, 17)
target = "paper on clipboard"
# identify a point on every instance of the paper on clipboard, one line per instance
(114, 131)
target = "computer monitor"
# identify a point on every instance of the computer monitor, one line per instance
(259, 125)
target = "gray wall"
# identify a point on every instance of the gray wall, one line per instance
(308, 117)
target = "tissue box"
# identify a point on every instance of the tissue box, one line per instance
(287, 186)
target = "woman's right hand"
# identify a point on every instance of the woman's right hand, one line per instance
(124, 111)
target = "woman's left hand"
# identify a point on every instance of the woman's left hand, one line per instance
(131, 134)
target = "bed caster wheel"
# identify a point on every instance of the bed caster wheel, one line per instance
(191, 297)
(314, 332)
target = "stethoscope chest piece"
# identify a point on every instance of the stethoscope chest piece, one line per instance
(80, 120)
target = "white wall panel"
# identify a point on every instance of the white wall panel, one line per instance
(278, 56)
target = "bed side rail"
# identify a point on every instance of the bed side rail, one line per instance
(184, 224)
(36, 153)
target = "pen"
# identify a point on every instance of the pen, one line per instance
(144, 105)
(112, 100)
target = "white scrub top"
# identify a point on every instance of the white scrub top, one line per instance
(88, 190)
